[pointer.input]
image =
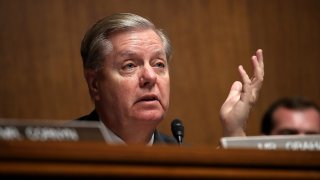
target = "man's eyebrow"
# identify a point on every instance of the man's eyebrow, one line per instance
(311, 132)
(159, 52)
(291, 130)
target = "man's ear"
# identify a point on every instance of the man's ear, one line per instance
(92, 80)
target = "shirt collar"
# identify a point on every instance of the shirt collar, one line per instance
(114, 139)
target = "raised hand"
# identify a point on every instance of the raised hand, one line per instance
(242, 96)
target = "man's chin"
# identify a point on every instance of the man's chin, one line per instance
(151, 116)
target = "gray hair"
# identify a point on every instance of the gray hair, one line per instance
(95, 44)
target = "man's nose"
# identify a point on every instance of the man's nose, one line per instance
(148, 77)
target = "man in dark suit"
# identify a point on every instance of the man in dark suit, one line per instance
(126, 60)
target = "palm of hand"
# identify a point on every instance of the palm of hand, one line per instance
(236, 109)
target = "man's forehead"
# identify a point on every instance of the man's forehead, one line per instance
(137, 35)
(283, 114)
(131, 53)
(128, 43)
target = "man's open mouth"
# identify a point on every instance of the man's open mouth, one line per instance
(148, 98)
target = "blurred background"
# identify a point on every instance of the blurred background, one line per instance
(41, 70)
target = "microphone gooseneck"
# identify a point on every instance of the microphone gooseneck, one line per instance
(177, 130)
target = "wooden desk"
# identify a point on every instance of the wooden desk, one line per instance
(98, 160)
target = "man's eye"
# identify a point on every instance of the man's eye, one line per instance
(160, 65)
(288, 132)
(128, 66)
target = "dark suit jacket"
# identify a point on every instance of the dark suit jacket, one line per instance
(159, 138)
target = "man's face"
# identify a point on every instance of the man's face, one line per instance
(133, 86)
(288, 121)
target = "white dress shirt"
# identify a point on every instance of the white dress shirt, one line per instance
(114, 139)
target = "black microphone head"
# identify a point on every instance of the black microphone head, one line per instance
(177, 129)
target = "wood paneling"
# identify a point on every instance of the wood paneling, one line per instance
(41, 71)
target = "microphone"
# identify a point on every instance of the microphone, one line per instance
(177, 130)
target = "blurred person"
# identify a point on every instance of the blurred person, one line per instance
(291, 116)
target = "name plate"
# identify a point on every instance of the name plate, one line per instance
(286, 142)
(73, 131)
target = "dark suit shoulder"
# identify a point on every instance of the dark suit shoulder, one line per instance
(160, 138)
(93, 116)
